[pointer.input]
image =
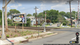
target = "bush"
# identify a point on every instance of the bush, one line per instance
(64, 23)
(24, 34)
(7, 36)
(11, 34)
(26, 37)
(0, 36)
(31, 35)
(15, 35)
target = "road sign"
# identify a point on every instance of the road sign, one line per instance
(19, 18)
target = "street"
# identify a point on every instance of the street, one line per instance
(61, 38)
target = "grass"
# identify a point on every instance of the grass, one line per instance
(47, 25)
(11, 34)
(49, 33)
(7, 36)
(26, 37)
(37, 26)
(15, 35)
(0, 36)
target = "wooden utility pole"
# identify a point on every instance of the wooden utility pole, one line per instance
(70, 11)
(6, 24)
(36, 14)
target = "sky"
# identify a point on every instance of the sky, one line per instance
(27, 6)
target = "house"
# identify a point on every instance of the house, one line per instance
(33, 20)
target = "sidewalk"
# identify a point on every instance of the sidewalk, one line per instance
(17, 40)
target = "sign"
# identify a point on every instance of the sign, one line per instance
(72, 42)
(19, 18)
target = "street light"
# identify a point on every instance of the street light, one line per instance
(3, 34)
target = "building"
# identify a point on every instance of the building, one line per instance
(33, 20)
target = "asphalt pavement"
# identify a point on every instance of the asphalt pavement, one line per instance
(61, 38)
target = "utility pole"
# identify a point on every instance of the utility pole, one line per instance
(6, 24)
(45, 23)
(75, 21)
(3, 34)
(36, 14)
(78, 12)
(70, 11)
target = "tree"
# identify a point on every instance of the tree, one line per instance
(60, 18)
(0, 17)
(62, 13)
(29, 15)
(40, 15)
(28, 23)
(48, 21)
(13, 11)
(34, 14)
(52, 15)
(10, 22)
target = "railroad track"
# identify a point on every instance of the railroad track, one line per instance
(32, 28)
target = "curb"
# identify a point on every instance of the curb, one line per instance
(42, 37)
(17, 40)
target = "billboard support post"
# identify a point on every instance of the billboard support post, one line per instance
(15, 27)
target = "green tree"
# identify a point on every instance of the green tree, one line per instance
(62, 13)
(29, 15)
(60, 18)
(28, 23)
(34, 14)
(13, 11)
(52, 15)
(0, 17)
(10, 22)
(40, 15)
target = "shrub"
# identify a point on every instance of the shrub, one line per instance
(26, 37)
(31, 35)
(7, 36)
(15, 35)
(0, 36)
(24, 34)
(11, 34)
(64, 23)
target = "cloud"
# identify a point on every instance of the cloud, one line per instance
(8, 8)
(15, 6)
(23, 8)
(68, 9)
(42, 6)
(56, 1)
(58, 5)
(19, 4)
(12, 1)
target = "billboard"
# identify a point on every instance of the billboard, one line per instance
(19, 18)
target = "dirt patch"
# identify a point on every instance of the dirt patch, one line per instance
(11, 34)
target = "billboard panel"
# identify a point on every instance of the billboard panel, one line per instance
(19, 18)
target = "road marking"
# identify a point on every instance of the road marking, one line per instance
(74, 38)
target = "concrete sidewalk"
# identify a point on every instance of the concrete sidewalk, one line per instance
(17, 40)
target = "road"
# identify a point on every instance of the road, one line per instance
(61, 38)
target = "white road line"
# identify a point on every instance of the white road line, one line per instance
(74, 38)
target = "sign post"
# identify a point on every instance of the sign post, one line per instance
(15, 27)
(77, 37)
(19, 18)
